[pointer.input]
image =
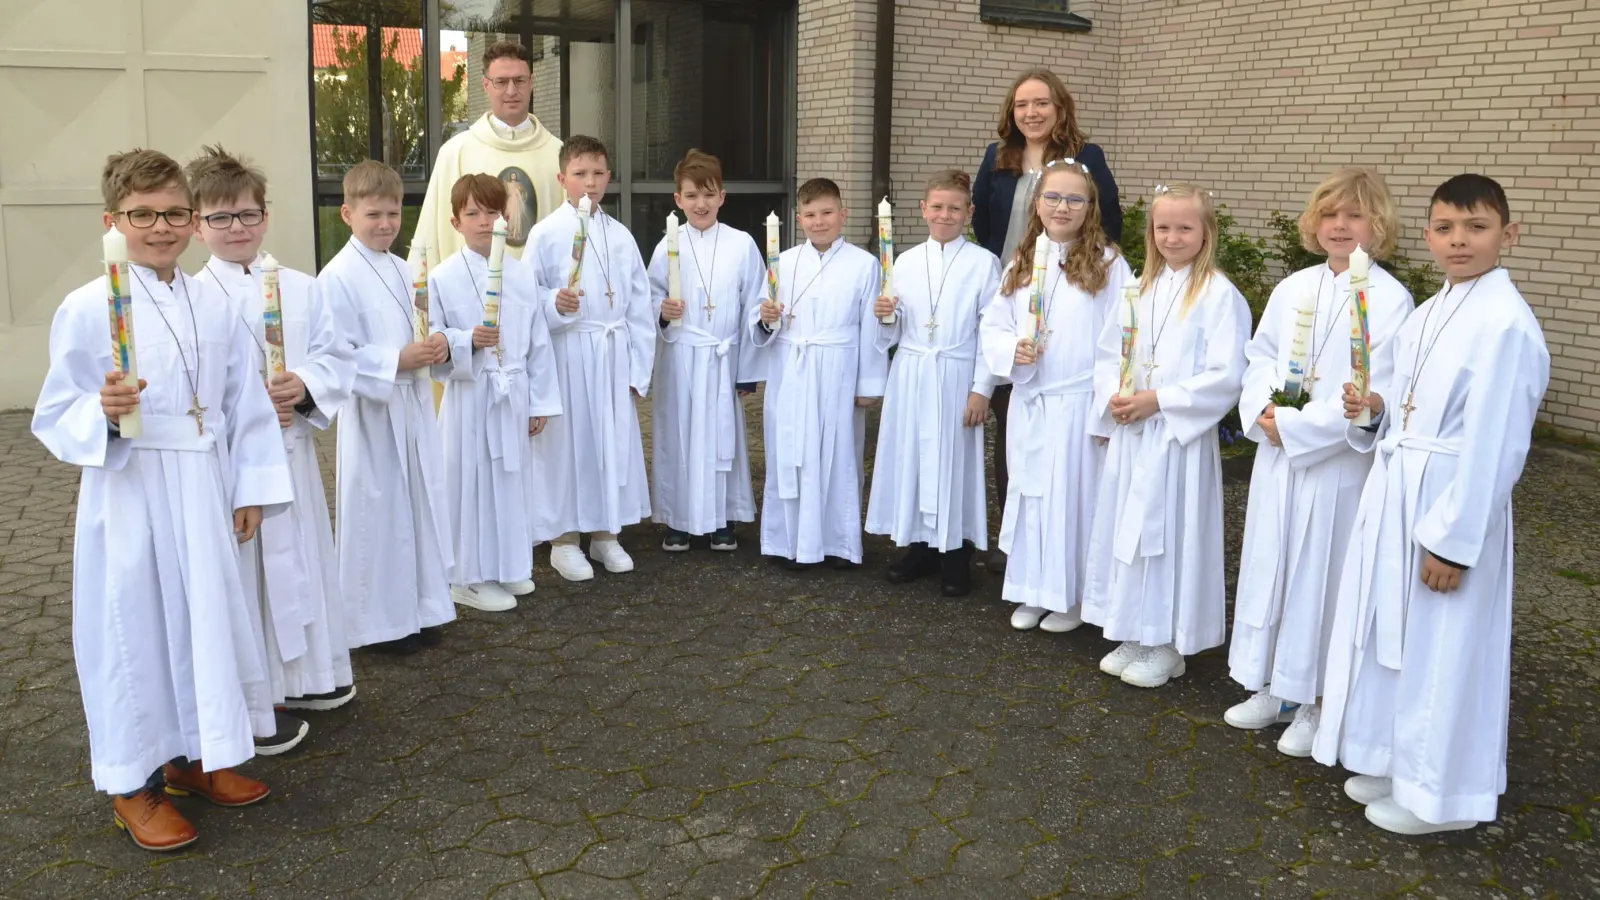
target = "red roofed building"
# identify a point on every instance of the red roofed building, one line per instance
(403, 45)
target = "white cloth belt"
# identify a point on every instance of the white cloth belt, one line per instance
(612, 377)
(1260, 577)
(799, 405)
(690, 336)
(1037, 441)
(933, 462)
(1386, 550)
(179, 433)
(507, 426)
(1142, 527)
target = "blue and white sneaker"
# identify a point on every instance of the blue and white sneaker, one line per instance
(1260, 711)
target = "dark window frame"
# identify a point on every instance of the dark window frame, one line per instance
(1056, 16)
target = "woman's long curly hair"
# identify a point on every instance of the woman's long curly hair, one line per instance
(1066, 138)
(1086, 266)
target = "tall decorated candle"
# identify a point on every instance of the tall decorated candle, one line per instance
(1360, 332)
(419, 288)
(119, 301)
(1030, 320)
(1129, 319)
(1305, 317)
(272, 315)
(495, 281)
(674, 272)
(579, 240)
(886, 253)
(772, 264)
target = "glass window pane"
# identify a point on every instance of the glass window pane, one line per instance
(362, 111)
(573, 45)
(708, 75)
(746, 212)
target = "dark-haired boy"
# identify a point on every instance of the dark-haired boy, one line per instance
(1418, 680)
(591, 458)
(822, 367)
(171, 672)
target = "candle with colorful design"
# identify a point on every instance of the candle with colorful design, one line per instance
(1130, 336)
(119, 301)
(772, 264)
(886, 254)
(674, 274)
(579, 241)
(1360, 334)
(419, 288)
(272, 316)
(1031, 320)
(1300, 347)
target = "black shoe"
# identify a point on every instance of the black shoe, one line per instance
(290, 732)
(840, 564)
(919, 560)
(402, 647)
(432, 636)
(323, 702)
(793, 565)
(723, 539)
(955, 572)
(675, 542)
(996, 561)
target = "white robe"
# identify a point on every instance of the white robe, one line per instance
(1419, 683)
(1155, 551)
(393, 534)
(590, 461)
(483, 418)
(928, 484)
(290, 571)
(1051, 451)
(168, 661)
(1302, 495)
(701, 471)
(817, 364)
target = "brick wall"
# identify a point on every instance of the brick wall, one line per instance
(1259, 100)
(836, 41)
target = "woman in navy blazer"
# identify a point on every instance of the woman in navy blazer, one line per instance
(1038, 124)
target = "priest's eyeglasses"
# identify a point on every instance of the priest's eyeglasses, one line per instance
(519, 82)
(222, 221)
(179, 217)
(1073, 201)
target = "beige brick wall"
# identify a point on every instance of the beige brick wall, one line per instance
(835, 47)
(1259, 100)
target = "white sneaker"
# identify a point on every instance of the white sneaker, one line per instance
(1061, 622)
(518, 588)
(569, 563)
(1154, 667)
(1259, 711)
(1391, 816)
(611, 555)
(1367, 789)
(1118, 660)
(1027, 617)
(488, 596)
(1298, 737)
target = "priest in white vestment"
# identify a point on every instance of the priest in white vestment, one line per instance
(821, 358)
(499, 391)
(1418, 689)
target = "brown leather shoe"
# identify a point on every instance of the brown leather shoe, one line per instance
(224, 787)
(152, 821)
